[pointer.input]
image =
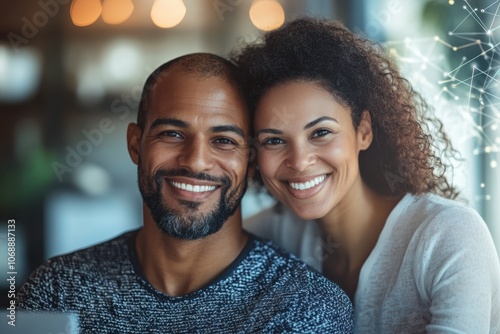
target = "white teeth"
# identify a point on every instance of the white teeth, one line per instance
(190, 187)
(308, 184)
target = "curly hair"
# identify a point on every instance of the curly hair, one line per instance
(403, 155)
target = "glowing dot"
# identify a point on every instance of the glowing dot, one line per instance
(451, 2)
(267, 15)
(168, 13)
(487, 149)
(480, 89)
(478, 41)
(488, 32)
(494, 127)
(475, 151)
(456, 98)
(450, 33)
(436, 38)
(493, 164)
(482, 185)
(482, 10)
(453, 86)
(116, 11)
(464, 7)
(454, 48)
(464, 58)
(84, 13)
(487, 197)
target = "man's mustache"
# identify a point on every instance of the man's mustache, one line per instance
(162, 173)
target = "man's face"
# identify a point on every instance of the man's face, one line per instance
(193, 155)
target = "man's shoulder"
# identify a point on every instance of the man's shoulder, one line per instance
(97, 255)
(295, 275)
(73, 275)
(297, 295)
(99, 259)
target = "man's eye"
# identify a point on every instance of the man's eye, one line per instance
(170, 133)
(224, 141)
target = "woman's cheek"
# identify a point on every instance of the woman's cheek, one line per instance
(266, 163)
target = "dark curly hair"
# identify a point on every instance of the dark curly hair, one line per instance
(403, 155)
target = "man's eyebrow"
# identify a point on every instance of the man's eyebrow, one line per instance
(228, 128)
(271, 131)
(321, 119)
(169, 121)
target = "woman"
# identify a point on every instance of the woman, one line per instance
(343, 140)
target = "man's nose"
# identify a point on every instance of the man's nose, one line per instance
(196, 156)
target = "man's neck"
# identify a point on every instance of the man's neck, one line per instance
(178, 267)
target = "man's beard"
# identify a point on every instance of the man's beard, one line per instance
(188, 224)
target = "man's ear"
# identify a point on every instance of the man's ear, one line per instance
(365, 132)
(134, 134)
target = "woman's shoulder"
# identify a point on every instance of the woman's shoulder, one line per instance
(283, 227)
(431, 208)
(441, 222)
(274, 220)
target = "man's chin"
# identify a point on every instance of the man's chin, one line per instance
(191, 227)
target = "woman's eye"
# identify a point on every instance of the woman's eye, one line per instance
(272, 141)
(321, 133)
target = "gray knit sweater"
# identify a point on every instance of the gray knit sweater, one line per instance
(264, 290)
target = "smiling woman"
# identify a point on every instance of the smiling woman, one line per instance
(345, 142)
(318, 149)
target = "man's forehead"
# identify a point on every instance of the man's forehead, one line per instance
(197, 92)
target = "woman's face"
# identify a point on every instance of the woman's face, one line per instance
(308, 148)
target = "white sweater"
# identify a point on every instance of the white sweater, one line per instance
(434, 268)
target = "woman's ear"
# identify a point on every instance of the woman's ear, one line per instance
(134, 134)
(365, 132)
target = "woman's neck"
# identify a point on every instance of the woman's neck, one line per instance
(354, 225)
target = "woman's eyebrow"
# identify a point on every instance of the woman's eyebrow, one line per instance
(321, 119)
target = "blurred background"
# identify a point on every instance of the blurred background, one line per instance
(71, 74)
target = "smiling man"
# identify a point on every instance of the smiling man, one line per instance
(191, 268)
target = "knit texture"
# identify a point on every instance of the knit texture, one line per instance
(264, 290)
(434, 268)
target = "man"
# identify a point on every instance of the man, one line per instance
(191, 268)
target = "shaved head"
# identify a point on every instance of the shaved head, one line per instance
(199, 65)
